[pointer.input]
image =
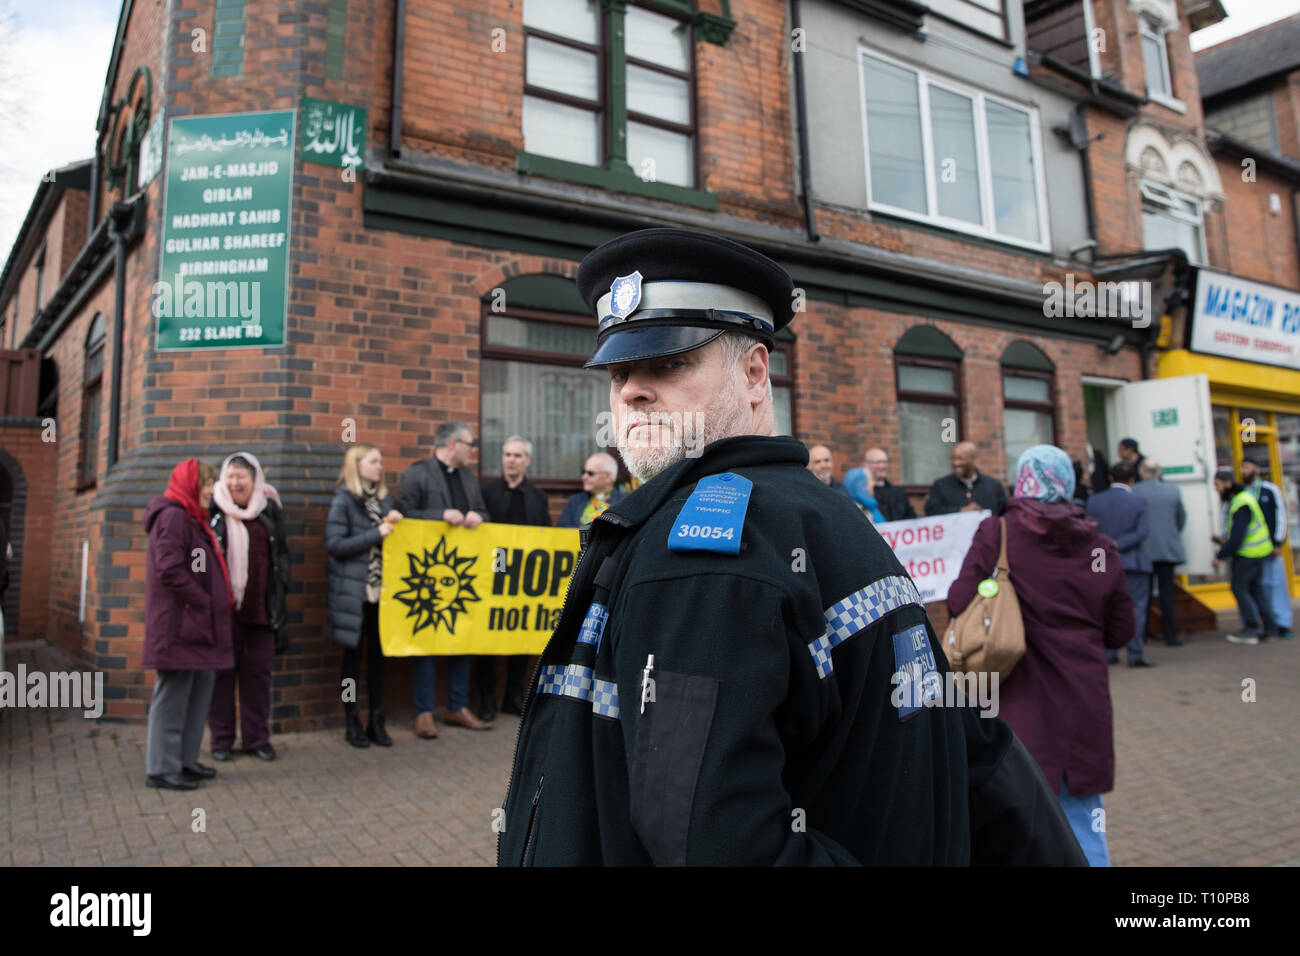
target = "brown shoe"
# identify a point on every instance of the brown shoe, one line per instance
(465, 718)
(425, 727)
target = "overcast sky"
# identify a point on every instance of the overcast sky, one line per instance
(53, 65)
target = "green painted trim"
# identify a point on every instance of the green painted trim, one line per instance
(614, 181)
(229, 25)
(616, 42)
(335, 38)
(712, 28)
(545, 291)
(684, 6)
(904, 14)
(927, 342)
(1025, 355)
(562, 237)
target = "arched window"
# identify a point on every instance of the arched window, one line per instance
(1028, 377)
(927, 368)
(91, 391)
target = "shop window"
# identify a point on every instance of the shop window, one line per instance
(927, 369)
(1027, 412)
(91, 394)
(952, 155)
(1173, 220)
(583, 93)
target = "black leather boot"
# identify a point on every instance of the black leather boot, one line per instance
(376, 731)
(356, 734)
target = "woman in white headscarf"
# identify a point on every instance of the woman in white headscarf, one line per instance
(248, 522)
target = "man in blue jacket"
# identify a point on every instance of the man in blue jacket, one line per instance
(1122, 515)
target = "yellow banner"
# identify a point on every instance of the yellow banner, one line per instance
(496, 589)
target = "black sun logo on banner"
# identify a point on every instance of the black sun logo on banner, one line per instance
(437, 587)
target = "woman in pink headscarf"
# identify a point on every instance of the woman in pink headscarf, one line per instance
(248, 522)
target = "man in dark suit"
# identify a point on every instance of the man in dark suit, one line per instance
(965, 489)
(1167, 518)
(1122, 515)
(890, 499)
(443, 488)
(510, 499)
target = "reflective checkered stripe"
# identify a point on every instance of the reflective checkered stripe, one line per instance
(859, 610)
(580, 683)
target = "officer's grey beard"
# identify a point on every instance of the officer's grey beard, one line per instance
(690, 432)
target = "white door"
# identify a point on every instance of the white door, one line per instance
(1170, 419)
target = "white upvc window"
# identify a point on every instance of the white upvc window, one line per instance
(951, 155)
(1173, 220)
(1155, 61)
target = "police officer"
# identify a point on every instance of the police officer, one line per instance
(742, 670)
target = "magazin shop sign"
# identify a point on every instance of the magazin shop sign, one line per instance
(1246, 320)
(223, 278)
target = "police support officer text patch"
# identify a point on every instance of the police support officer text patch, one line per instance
(714, 515)
(916, 677)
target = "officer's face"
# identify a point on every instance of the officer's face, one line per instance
(669, 408)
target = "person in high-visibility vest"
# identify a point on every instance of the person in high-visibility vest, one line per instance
(1248, 544)
(1274, 577)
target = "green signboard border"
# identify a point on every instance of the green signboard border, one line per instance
(165, 171)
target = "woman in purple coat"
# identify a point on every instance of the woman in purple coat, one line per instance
(1075, 604)
(187, 633)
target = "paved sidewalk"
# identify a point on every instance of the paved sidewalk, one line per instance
(1203, 778)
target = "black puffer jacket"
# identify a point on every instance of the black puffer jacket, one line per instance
(277, 585)
(349, 536)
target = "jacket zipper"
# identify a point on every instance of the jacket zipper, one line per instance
(529, 691)
(532, 820)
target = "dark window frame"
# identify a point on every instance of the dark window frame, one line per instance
(929, 398)
(91, 403)
(1025, 405)
(604, 104)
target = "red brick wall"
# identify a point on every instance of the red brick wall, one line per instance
(30, 463)
(384, 328)
(842, 389)
(1286, 102)
(1248, 240)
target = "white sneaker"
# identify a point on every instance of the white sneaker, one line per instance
(1242, 638)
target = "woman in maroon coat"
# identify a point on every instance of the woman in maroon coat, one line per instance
(187, 632)
(1075, 604)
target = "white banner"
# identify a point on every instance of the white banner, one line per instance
(1246, 320)
(931, 550)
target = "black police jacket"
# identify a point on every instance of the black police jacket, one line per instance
(768, 735)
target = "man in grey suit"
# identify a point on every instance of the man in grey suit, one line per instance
(1122, 515)
(1167, 518)
(442, 488)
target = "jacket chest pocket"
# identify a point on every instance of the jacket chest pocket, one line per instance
(672, 730)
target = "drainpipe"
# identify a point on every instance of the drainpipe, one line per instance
(1295, 219)
(395, 113)
(1080, 140)
(801, 112)
(119, 223)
